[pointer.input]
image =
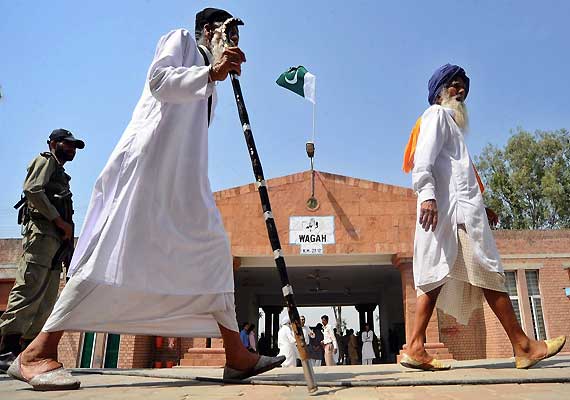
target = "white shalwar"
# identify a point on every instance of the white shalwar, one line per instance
(153, 256)
(443, 171)
(287, 347)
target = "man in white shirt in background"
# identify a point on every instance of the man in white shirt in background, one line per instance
(329, 341)
(305, 329)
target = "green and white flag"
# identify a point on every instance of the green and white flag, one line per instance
(298, 80)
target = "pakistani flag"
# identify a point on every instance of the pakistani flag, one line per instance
(298, 80)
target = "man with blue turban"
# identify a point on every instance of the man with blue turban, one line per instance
(456, 262)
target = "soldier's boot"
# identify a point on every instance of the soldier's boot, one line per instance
(9, 349)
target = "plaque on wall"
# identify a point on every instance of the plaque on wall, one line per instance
(311, 233)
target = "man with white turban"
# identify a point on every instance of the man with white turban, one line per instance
(286, 343)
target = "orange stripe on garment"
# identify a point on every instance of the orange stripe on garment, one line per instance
(479, 181)
(410, 151)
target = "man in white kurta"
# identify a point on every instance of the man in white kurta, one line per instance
(456, 261)
(153, 256)
(286, 343)
(367, 349)
(329, 342)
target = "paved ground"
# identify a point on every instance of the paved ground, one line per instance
(480, 380)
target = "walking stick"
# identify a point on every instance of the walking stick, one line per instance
(269, 221)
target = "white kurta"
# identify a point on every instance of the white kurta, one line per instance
(152, 227)
(367, 349)
(443, 171)
(287, 346)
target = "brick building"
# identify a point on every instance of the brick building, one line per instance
(360, 255)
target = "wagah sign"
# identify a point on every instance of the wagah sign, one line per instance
(311, 233)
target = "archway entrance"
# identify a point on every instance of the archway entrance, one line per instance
(368, 287)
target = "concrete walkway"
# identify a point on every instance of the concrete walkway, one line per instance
(481, 380)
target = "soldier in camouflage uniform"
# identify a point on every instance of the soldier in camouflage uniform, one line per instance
(45, 215)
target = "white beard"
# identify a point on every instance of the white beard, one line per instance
(461, 116)
(217, 46)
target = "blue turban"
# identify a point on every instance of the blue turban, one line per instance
(443, 75)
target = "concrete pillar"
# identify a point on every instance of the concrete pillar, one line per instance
(370, 317)
(366, 315)
(408, 294)
(272, 324)
(361, 320)
(433, 345)
(267, 323)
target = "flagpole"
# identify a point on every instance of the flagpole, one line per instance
(314, 106)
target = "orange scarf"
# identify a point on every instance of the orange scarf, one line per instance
(410, 151)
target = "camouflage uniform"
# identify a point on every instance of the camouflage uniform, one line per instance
(35, 291)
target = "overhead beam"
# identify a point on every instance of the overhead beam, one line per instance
(324, 260)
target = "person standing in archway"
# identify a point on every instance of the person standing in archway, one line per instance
(367, 349)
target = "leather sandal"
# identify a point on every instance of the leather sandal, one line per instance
(264, 364)
(553, 346)
(433, 365)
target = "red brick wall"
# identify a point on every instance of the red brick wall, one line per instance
(465, 342)
(535, 242)
(5, 287)
(556, 306)
(135, 351)
(10, 251)
(68, 349)
(497, 342)
(371, 217)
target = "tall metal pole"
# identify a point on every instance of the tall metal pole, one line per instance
(270, 224)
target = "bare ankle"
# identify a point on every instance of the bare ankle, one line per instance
(523, 346)
(415, 346)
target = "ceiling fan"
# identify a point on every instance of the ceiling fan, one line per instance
(317, 278)
(317, 288)
(249, 283)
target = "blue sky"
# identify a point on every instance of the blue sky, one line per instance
(82, 65)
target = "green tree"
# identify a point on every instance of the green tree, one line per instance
(528, 182)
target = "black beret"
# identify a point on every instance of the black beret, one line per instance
(209, 15)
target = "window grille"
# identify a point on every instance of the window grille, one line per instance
(535, 304)
(511, 282)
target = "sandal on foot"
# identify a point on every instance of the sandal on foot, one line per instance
(553, 346)
(264, 364)
(56, 379)
(433, 365)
